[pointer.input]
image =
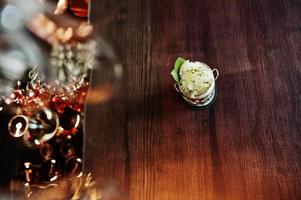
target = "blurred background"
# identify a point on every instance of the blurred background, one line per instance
(65, 50)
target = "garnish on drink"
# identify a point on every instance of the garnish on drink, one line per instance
(195, 80)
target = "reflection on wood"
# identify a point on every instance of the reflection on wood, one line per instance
(100, 94)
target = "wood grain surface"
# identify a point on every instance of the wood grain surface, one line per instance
(153, 146)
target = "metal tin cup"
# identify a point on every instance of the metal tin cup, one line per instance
(206, 98)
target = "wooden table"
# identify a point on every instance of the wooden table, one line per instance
(246, 146)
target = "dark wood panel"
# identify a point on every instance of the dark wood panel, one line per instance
(246, 146)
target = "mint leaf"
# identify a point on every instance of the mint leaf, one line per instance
(177, 66)
(179, 62)
(175, 75)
